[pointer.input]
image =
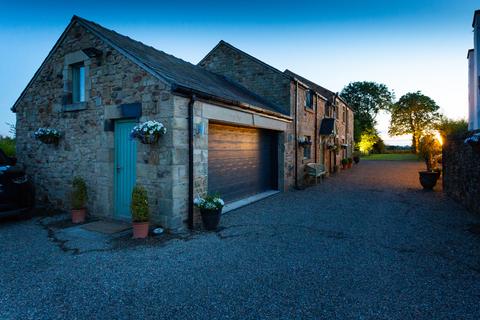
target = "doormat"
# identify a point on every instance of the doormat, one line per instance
(107, 227)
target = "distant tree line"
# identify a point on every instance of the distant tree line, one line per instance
(414, 113)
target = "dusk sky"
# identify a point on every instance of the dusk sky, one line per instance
(408, 45)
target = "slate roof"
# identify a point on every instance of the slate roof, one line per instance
(323, 91)
(330, 95)
(177, 72)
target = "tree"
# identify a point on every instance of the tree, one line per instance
(448, 126)
(367, 99)
(415, 113)
(367, 140)
(379, 146)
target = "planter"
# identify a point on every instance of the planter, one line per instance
(349, 165)
(150, 139)
(356, 159)
(211, 218)
(428, 179)
(140, 230)
(48, 139)
(344, 166)
(78, 215)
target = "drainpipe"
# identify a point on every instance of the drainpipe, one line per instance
(296, 134)
(315, 133)
(190, 160)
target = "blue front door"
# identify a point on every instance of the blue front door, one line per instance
(125, 167)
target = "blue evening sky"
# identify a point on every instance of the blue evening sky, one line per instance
(409, 45)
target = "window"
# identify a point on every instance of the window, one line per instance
(309, 99)
(78, 83)
(307, 148)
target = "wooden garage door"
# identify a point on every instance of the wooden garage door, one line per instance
(241, 161)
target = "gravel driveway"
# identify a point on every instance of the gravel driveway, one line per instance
(365, 244)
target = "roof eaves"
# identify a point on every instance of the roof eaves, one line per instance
(470, 51)
(477, 12)
(208, 96)
(85, 23)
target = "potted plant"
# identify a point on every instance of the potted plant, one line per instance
(148, 132)
(210, 209)
(140, 212)
(429, 148)
(79, 198)
(356, 157)
(344, 163)
(350, 162)
(47, 135)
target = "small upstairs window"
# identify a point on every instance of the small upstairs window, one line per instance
(309, 99)
(78, 83)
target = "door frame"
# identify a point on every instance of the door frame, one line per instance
(116, 214)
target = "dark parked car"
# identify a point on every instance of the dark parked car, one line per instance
(16, 189)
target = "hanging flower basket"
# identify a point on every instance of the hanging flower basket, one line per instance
(148, 132)
(47, 135)
(303, 142)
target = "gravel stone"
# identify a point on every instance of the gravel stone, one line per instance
(367, 243)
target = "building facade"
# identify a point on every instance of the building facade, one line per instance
(225, 133)
(473, 57)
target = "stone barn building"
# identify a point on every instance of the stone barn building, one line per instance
(225, 133)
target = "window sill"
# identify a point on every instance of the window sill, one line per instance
(311, 110)
(75, 107)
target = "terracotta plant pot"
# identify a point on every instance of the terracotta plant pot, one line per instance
(78, 215)
(428, 179)
(349, 165)
(140, 230)
(344, 166)
(211, 218)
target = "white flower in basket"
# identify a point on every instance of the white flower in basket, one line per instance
(148, 132)
(47, 135)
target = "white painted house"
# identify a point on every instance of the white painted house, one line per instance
(473, 57)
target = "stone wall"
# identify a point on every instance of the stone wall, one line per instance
(86, 149)
(254, 75)
(308, 122)
(461, 172)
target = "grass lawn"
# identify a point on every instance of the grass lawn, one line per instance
(392, 157)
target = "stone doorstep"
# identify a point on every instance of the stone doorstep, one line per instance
(243, 202)
(98, 230)
(107, 227)
(97, 235)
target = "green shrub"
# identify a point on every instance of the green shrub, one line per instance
(344, 161)
(79, 193)
(430, 148)
(7, 144)
(139, 206)
(449, 127)
(350, 160)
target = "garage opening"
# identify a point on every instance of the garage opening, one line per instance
(241, 161)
